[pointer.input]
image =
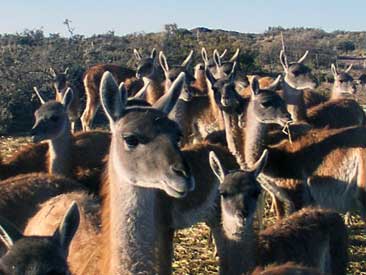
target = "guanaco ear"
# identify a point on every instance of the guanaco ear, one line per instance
(232, 74)
(137, 55)
(66, 70)
(168, 100)
(334, 70)
(188, 60)
(283, 60)
(216, 58)
(53, 72)
(260, 164)
(153, 54)
(113, 98)
(254, 86)
(163, 62)
(274, 85)
(68, 227)
(68, 98)
(235, 56)
(217, 167)
(302, 59)
(223, 54)
(349, 68)
(43, 101)
(9, 234)
(204, 56)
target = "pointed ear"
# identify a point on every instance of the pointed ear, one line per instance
(68, 227)
(66, 70)
(223, 54)
(217, 167)
(334, 70)
(153, 54)
(260, 164)
(53, 72)
(254, 86)
(168, 100)
(68, 98)
(349, 68)
(216, 57)
(163, 62)
(113, 98)
(235, 56)
(204, 56)
(275, 84)
(43, 101)
(137, 54)
(232, 74)
(283, 60)
(302, 59)
(9, 234)
(188, 60)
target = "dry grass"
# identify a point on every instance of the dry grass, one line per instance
(193, 255)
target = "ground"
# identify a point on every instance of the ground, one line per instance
(193, 254)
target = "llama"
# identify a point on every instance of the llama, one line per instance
(330, 161)
(312, 237)
(83, 256)
(92, 78)
(38, 254)
(340, 110)
(61, 84)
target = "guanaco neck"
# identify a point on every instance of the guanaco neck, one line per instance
(255, 135)
(60, 150)
(294, 99)
(235, 137)
(131, 224)
(155, 89)
(200, 82)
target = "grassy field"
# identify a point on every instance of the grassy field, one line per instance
(193, 255)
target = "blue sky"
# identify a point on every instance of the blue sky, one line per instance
(89, 17)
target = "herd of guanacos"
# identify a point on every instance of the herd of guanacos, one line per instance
(181, 149)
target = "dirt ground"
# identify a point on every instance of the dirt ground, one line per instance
(193, 254)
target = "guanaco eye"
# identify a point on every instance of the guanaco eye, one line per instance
(266, 104)
(54, 118)
(225, 194)
(131, 141)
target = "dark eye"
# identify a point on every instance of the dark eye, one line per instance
(266, 104)
(131, 141)
(54, 118)
(295, 73)
(224, 194)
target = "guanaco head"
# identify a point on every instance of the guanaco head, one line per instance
(171, 72)
(239, 191)
(343, 83)
(38, 255)
(144, 147)
(59, 80)
(226, 97)
(297, 74)
(146, 67)
(52, 118)
(216, 65)
(266, 106)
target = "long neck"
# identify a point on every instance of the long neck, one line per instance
(155, 90)
(131, 224)
(235, 137)
(200, 82)
(255, 134)
(295, 102)
(60, 150)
